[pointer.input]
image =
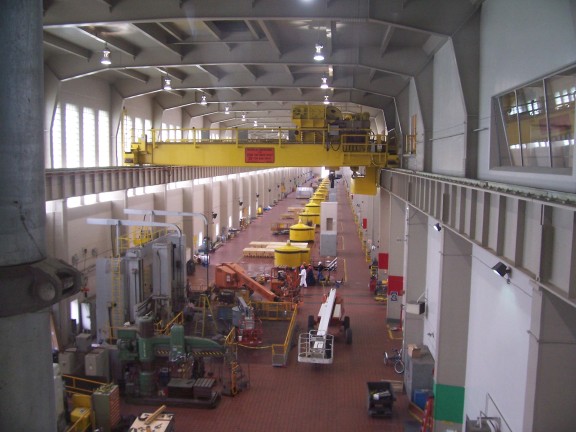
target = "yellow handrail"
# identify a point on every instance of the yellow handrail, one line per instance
(178, 319)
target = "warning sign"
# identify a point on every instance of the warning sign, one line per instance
(259, 155)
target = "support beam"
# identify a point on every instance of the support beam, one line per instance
(272, 38)
(68, 47)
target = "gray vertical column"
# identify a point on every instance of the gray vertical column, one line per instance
(26, 378)
(416, 252)
(396, 260)
(452, 332)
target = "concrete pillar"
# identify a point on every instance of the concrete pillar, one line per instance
(551, 377)
(452, 332)
(396, 261)
(27, 400)
(415, 272)
(384, 233)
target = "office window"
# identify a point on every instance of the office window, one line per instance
(535, 124)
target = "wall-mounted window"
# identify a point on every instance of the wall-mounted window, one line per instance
(72, 136)
(535, 124)
(80, 137)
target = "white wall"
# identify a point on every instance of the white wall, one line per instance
(415, 162)
(448, 139)
(522, 40)
(498, 342)
(172, 117)
(89, 92)
(140, 107)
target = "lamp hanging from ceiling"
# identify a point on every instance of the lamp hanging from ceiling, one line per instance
(166, 83)
(324, 84)
(106, 60)
(203, 101)
(326, 101)
(318, 56)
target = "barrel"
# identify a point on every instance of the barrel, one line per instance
(288, 255)
(301, 233)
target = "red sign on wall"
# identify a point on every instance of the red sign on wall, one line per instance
(396, 284)
(364, 223)
(383, 261)
(259, 155)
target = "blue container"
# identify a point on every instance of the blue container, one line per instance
(420, 396)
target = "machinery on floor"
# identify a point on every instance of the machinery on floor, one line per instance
(317, 345)
(145, 277)
(168, 367)
(248, 326)
(231, 276)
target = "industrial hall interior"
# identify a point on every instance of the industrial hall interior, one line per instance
(281, 215)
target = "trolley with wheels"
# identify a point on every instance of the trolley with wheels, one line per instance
(380, 398)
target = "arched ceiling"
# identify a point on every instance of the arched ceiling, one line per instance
(254, 56)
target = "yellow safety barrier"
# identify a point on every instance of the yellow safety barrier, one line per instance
(280, 352)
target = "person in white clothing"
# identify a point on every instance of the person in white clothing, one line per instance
(303, 276)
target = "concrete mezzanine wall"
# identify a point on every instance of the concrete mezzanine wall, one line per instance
(448, 139)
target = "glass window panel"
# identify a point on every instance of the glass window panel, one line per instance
(57, 139)
(164, 132)
(138, 128)
(533, 125)
(89, 137)
(72, 122)
(103, 139)
(561, 117)
(510, 152)
(148, 128)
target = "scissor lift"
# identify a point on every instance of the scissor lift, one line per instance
(317, 346)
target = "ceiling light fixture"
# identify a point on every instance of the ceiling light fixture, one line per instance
(166, 83)
(324, 84)
(243, 117)
(255, 123)
(203, 101)
(318, 56)
(502, 270)
(227, 110)
(105, 60)
(438, 227)
(326, 101)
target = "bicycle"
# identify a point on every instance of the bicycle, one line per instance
(395, 360)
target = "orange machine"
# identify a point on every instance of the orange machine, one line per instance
(232, 276)
(285, 282)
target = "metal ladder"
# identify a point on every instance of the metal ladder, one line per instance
(207, 314)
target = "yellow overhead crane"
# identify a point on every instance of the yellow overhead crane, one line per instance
(322, 136)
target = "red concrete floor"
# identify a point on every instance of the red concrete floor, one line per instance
(306, 397)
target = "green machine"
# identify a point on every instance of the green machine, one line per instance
(167, 368)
